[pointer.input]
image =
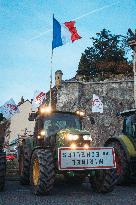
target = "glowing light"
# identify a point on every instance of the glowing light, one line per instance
(39, 137)
(73, 146)
(77, 112)
(81, 113)
(86, 146)
(87, 137)
(72, 137)
(44, 110)
(42, 133)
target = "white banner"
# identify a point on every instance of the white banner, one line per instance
(9, 109)
(97, 105)
(39, 99)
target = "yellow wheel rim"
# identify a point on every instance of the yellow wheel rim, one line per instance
(36, 172)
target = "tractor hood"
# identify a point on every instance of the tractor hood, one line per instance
(66, 137)
(73, 131)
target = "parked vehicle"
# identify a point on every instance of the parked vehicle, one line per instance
(60, 145)
(125, 148)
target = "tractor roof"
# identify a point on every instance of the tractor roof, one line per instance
(34, 115)
(128, 112)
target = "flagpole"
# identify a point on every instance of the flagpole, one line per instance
(51, 74)
(51, 79)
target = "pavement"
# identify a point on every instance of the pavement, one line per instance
(66, 194)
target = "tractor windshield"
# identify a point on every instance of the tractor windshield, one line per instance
(129, 126)
(59, 121)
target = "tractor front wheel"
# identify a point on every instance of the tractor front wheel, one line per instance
(103, 181)
(42, 172)
(122, 170)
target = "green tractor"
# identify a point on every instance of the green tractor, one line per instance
(2, 159)
(125, 148)
(59, 145)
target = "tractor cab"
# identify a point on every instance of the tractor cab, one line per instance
(51, 123)
(61, 120)
(129, 123)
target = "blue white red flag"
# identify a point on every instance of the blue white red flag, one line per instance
(64, 33)
(9, 109)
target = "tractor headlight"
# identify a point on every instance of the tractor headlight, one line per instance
(86, 146)
(73, 146)
(87, 137)
(42, 133)
(72, 137)
(39, 137)
(81, 113)
(45, 110)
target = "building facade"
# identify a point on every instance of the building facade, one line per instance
(19, 124)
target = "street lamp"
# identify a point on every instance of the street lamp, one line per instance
(132, 44)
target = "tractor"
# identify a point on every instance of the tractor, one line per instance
(60, 145)
(125, 148)
(2, 158)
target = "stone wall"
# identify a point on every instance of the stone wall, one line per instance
(68, 96)
(116, 96)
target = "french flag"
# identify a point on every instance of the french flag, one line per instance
(63, 33)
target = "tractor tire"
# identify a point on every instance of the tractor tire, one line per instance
(103, 181)
(2, 170)
(24, 168)
(122, 169)
(42, 172)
